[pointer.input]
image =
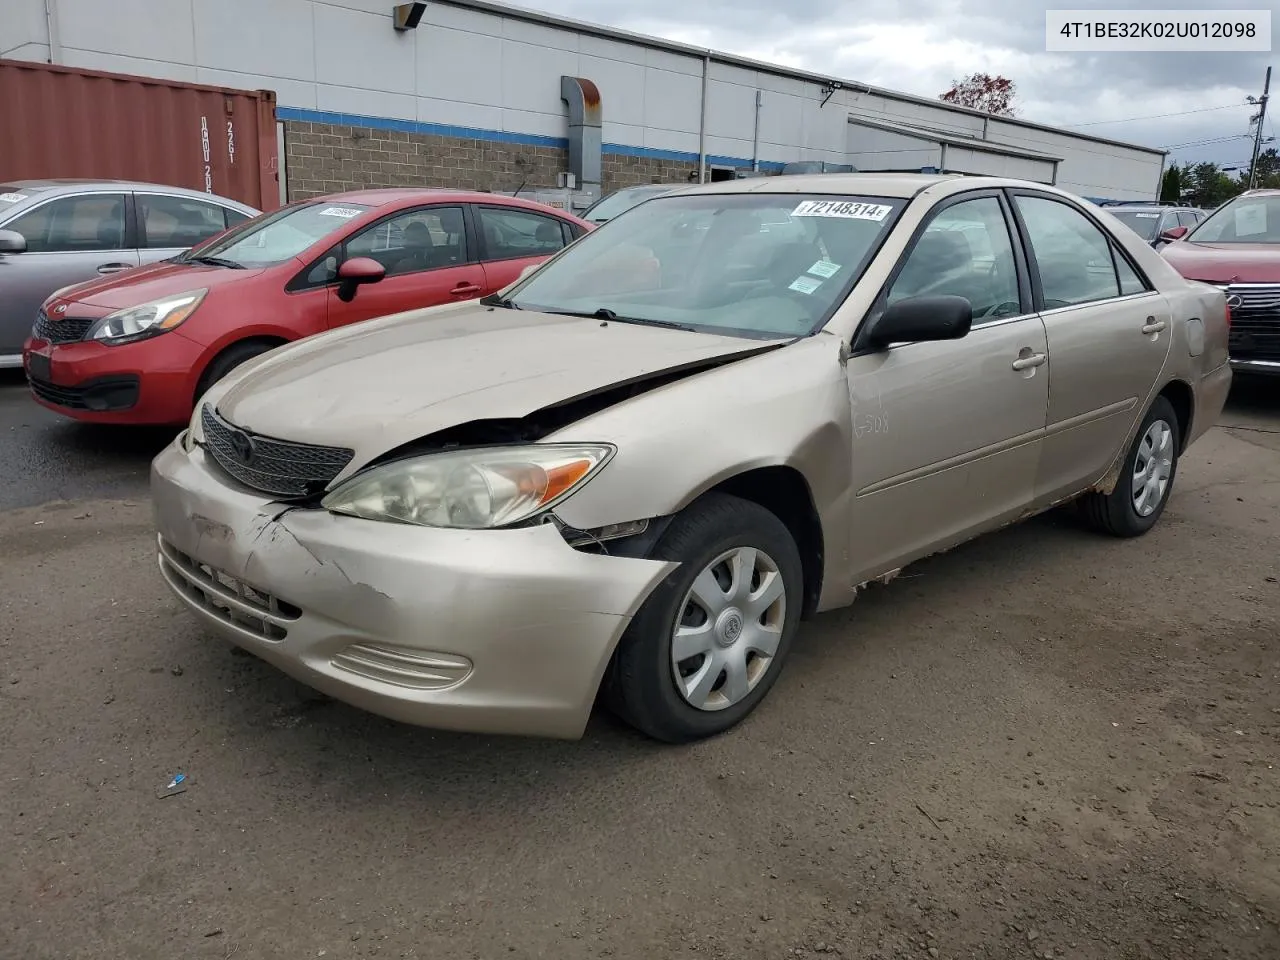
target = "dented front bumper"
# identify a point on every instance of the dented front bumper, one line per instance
(494, 631)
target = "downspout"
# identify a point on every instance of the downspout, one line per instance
(702, 121)
(55, 32)
(942, 159)
(755, 139)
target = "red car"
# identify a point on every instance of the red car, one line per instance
(141, 347)
(1237, 249)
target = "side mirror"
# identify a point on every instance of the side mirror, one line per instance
(354, 273)
(920, 318)
(11, 241)
(1173, 233)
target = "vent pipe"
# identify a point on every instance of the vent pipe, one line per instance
(585, 147)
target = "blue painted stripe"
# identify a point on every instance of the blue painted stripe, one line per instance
(502, 136)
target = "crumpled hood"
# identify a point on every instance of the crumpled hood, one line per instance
(1225, 262)
(376, 385)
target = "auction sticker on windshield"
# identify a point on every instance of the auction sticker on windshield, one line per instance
(846, 209)
(825, 269)
(805, 285)
(346, 213)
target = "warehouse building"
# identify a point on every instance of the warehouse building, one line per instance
(480, 95)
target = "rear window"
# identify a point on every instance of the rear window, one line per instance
(1141, 222)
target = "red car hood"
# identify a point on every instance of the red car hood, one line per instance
(144, 284)
(1225, 262)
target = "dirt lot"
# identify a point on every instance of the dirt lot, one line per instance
(1043, 744)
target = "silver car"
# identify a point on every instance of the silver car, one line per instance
(479, 516)
(54, 233)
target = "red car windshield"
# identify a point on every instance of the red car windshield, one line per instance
(279, 236)
(1242, 220)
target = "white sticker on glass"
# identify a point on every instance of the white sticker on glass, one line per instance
(805, 284)
(825, 269)
(845, 209)
(12, 197)
(1146, 216)
(346, 213)
(1251, 219)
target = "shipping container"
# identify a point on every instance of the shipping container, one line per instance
(63, 122)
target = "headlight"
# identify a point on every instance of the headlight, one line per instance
(470, 489)
(148, 319)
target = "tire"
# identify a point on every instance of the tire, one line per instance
(643, 686)
(228, 360)
(1117, 514)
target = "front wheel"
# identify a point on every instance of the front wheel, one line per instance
(1146, 479)
(711, 639)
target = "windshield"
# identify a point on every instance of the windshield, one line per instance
(279, 236)
(1141, 222)
(1242, 220)
(744, 264)
(606, 208)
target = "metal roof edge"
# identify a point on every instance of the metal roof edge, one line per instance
(952, 139)
(732, 59)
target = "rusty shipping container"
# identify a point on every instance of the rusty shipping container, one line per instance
(63, 122)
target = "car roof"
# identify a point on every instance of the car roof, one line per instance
(61, 185)
(398, 196)
(895, 185)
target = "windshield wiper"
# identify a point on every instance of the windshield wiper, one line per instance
(497, 300)
(215, 262)
(604, 313)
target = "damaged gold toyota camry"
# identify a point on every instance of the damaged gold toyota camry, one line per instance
(633, 472)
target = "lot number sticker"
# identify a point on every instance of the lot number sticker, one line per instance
(843, 209)
(1146, 216)
(805, 284)
(12, 197)
(825, 269)
(346, 213)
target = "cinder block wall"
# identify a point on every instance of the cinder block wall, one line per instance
(328, 158)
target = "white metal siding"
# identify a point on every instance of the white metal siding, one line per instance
(873, 149)
(965, 160)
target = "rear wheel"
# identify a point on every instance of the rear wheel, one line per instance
(710, 641)
(228, 360)
(1146, 479)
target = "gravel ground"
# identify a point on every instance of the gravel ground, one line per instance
(1044, 744)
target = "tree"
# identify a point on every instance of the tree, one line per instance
(1171, 186)
(981, 91)
(1268, 170)
(1205, 185)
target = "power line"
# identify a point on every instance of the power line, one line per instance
(1205, 143)
(1158, 116)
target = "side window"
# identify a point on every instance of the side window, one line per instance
(510, 233)
(1073, 255)
(177, 221)
(1187, 219)
(427, 238)
(234, 217)
(1130, 282)
(90, 222)
(965, 251)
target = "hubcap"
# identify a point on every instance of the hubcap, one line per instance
(728, 628)
(1152, 468)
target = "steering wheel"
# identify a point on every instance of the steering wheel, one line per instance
(1002, 309)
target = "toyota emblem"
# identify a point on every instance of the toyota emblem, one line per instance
(1234, 301)
(242, 444)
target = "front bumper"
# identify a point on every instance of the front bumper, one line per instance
(149, 382)
(496, 631)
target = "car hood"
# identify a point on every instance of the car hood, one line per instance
(1225, 262)
(380, 384)
(144, 284)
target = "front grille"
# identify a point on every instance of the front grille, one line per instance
(1255, 324)
(106, 394)
(231, 600)
(278, 467)
(65, 330)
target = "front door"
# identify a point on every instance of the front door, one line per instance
(428, 259)
(1109, 332)
(946, 435)
(69, 240)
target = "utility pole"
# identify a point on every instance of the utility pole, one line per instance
(1257, 137)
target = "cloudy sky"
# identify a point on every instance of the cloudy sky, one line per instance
(919, 46)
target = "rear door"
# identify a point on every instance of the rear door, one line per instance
(512, 238)
(70, 239)
(428, 256)
(169, 224)
(1109, 332)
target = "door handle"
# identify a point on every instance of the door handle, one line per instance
(1153, 325)
(1026, 363)
(465, 288)
(113, 267)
